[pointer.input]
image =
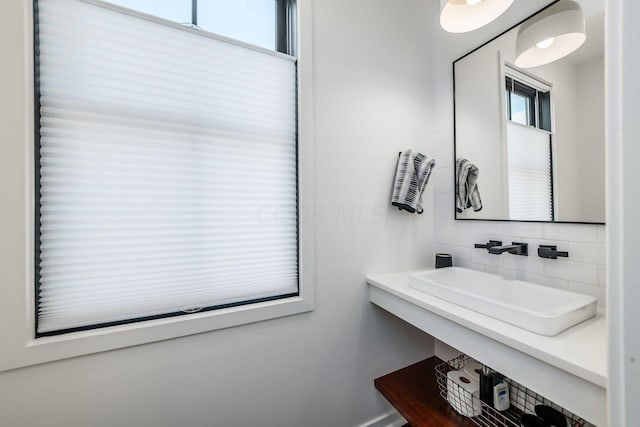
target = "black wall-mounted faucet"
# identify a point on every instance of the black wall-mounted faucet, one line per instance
(488, 245)
(551, 252)
(514, 248)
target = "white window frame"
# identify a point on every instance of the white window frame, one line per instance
(18, 344)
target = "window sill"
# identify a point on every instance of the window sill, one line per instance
(47, 349)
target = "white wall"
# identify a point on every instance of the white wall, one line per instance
(371, 92)
(566, 169)
(590, 145)
(584, 271)
(623, 210)
(480, 128)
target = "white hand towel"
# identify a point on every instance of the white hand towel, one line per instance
(412, 174)
(467, 193)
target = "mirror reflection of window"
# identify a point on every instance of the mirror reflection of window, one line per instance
(520, 102)
(527, 105)
(520, 109)
(529, 170)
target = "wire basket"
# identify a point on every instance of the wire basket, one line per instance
(521, 398)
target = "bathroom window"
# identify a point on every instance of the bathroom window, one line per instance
(166, 160)
(529, 148)
(251, 21)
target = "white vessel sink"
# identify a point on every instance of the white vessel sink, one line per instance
(540, 309)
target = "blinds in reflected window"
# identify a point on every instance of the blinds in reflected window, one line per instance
(529, 173)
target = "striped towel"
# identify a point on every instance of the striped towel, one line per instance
(467, 193)
(412, 174)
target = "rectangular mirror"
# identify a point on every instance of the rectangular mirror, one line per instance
(532, 139)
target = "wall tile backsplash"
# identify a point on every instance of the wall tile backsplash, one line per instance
(583, 271)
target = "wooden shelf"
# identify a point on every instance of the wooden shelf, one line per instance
(413, 391)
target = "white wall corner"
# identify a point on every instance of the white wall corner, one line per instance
(390, 419)
(445, 351)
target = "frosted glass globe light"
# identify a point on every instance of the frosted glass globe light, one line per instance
(552, 34)
(461, 16)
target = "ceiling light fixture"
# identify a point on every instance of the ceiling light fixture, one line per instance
(545, 43)
(552, 34)
(461, 16)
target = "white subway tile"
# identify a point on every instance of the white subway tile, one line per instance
(481, 256)
(442, 212)
(508, 240)
(478, 267)
(585, 252)
(443, 138)
(444, 203)
(534, 244)
(442, 115)
(443, 199)
(527, 264)
(444, 163)
(446, 237)
(595, 291)
(493, 269)
(443, 181)
(602, 275)
(505, 272)
(462, 257)
(481, 227)
(468, 240)
(524, 229)
(442, 142)
(583, 272)
(571, 232)
(448, 224)
(547, 281)
(572, 271)
(431, 190)
(449, 249)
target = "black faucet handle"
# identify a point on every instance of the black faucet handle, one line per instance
(488, 245)
(551, 252)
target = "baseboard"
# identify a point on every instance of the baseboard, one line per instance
(390, 419)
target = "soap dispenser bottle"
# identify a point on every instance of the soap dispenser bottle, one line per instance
(487, 379)
(501, 396)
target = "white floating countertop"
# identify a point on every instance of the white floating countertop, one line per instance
(569, 368)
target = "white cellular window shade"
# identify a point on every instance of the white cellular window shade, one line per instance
(529, 173)
(167, 169)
